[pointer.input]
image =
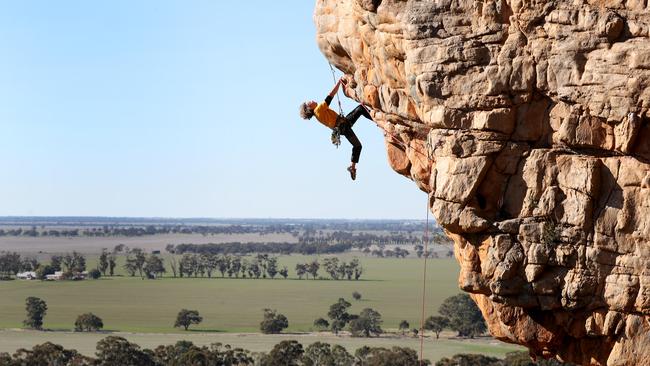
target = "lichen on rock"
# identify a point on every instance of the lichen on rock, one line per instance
(537, 169)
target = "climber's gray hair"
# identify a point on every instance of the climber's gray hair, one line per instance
(305, 111)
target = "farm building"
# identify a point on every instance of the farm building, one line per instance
(30, 275)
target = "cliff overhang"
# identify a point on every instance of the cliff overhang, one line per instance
(534, 117)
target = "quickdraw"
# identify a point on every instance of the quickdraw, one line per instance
(336, 137)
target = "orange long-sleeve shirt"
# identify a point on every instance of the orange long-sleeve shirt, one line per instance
(325, 115)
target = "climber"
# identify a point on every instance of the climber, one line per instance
(339, 124)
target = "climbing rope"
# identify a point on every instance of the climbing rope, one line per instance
(337, 92)
(402, 144)
(336, 131)
(424, 284)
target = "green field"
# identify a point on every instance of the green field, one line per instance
(144, 310)
(391, 286)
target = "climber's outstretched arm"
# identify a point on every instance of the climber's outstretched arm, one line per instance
(335, 89)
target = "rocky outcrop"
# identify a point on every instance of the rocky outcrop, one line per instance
(533, 165)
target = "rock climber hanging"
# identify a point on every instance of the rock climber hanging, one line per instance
(339, 124)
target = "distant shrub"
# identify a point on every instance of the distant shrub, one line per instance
(94, 274)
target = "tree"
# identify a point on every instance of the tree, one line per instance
(273, 322)
(322, 354)
(368, 323)
(36, 310)
(254, 269)
(285, 353)
(339, 314)
(321, 324)
(138, 260)
(188, 265)
(74, 262)
(94, 274)
(235, 267)
(331, 265)
(30, 264)
(301, 269)
(523, 359)
(468, 359)
(223, 263)
(55, 262)
(46, 354)
(43, 270)
(154, 267)
(262, 262)
(436, 324)
(173, 264)
(381, 356)
(185, 318)
(419, 250)
(118, 351)
(10, 264)
(88, 322)
(130, 265)
(210, 262)
(284, 272)
(464, 316)
(404, 326)
(103, 261)
(357, 268)
(112, 262)
(272, 267)
(186, 353)
(312, 268)
(356, 295)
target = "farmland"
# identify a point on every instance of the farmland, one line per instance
(144, 311)
(390, 286)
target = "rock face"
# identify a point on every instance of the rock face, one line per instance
(532, 164)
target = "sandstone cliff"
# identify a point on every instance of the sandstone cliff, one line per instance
(536, 170)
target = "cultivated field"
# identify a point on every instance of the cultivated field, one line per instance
(390, 286)
(144, 311)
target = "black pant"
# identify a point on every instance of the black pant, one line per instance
(345, 126)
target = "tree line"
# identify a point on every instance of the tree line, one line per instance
(252, 247)
(335, 268)
(136, 231)
(117, 351)
(150, 266)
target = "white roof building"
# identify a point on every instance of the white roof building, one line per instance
(30, 275)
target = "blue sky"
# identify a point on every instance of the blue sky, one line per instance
(177, 109)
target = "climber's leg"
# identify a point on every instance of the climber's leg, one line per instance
(357, 112)
(354, 140)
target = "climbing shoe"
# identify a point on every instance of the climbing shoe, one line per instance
(353, 172)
